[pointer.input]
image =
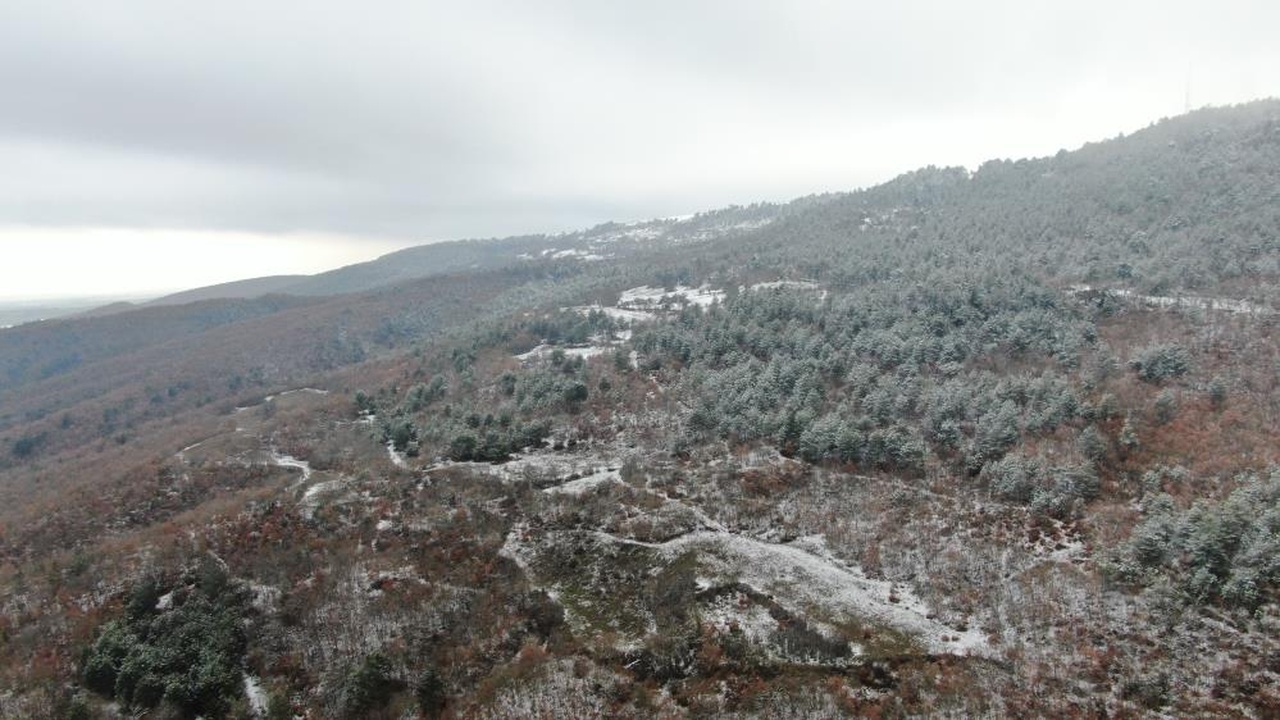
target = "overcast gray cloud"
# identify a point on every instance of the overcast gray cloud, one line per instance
(425, 121)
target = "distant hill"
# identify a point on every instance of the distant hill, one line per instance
(602, 242)
(19, 312)
(252, 288)
(414, 263)
(36, 351)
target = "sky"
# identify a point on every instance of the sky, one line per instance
(154, 145)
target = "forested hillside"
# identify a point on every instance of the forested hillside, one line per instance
(988, 444)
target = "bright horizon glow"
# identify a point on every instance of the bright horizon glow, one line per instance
(367, 129)
(68, 263)
(39, 264)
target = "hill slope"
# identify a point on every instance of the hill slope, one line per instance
(610, 241)
(240, 289)
(990, 444)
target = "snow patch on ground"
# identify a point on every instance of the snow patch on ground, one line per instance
(787, 284)
(282, 394)
(1064, 544)
(633, 231)
(767, 456)
(289, 461)
(397, 459)
(335, 489)
(295, 391)
(643, 297)
(636, 305)
(511, 547)
(376, 582)
(804, 575)
(582, 485)
(265, 597)
(703, 296)
(545, 350)
(256, 694)
(182, 454)
(629, 316)
(722, 229)
(311, 497)
(545, 467)
(600, 344)
(579, 254)
(736, 610)
(1187, 302)
(795, 285)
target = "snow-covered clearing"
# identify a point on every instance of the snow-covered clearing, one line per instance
(736, 610)
(296, 391)
(584, 254)
(649, 297)
(801, 576)
(282, 394)
(636, 305)
(365, 418)
(1064, 544)
(513, 549)
(787, 284)
(720, 230)
(545, 350)
(639, 230)
(312, 494)
(804, 576)
(582, 485)
(545, 467)
(761, 457)
(628, 316)
(793, 285)
(310, 501)
(600, 343)
(1181, 302)
(579, 254)
(311, 498)
(643, 295)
